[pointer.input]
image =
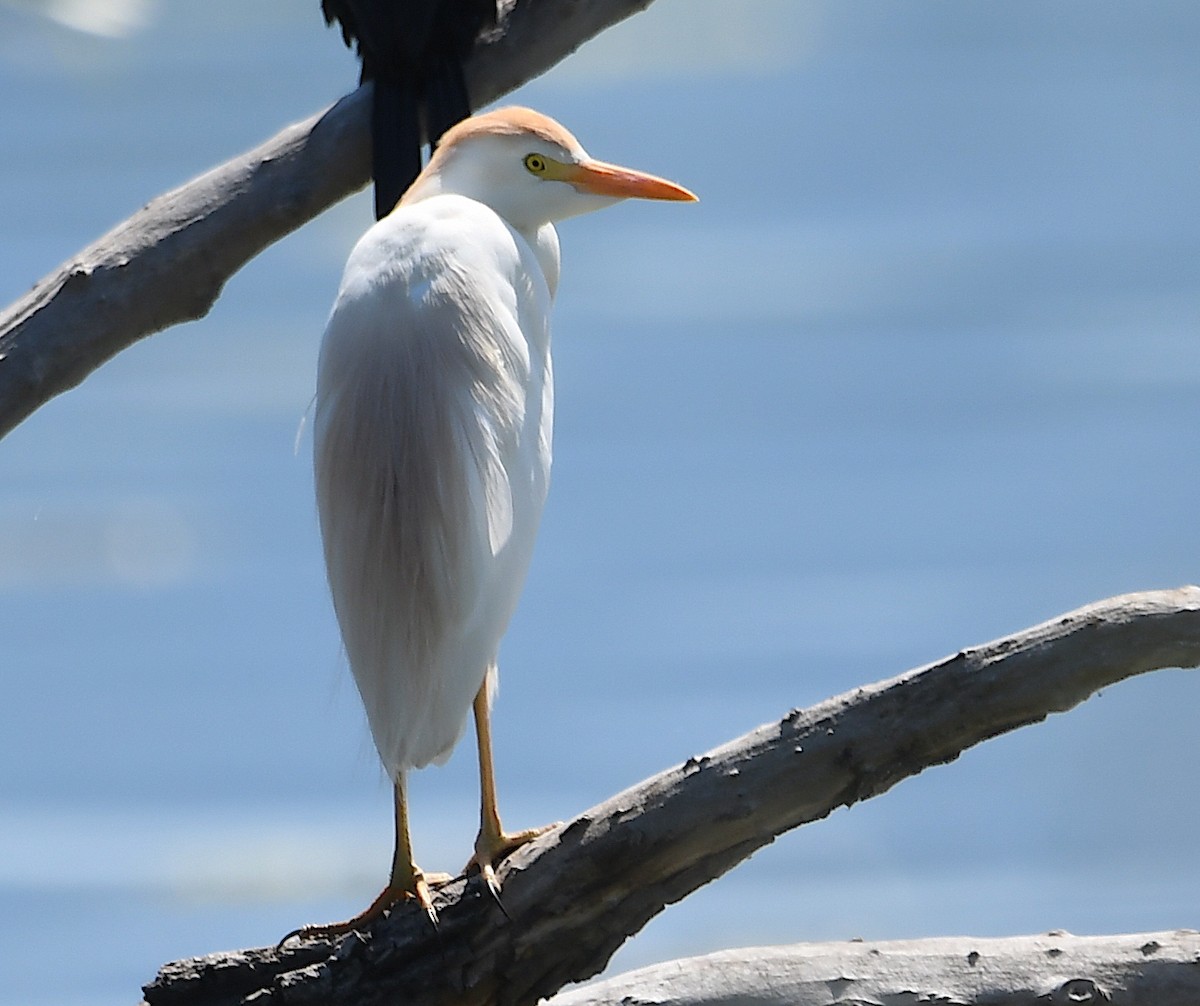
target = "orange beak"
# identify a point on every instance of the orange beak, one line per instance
(623, 183)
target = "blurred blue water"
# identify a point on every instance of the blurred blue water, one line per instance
(919, 370)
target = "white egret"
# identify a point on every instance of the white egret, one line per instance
(432, 442)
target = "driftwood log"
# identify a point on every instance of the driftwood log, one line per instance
(168, 262)
(572, 897)
(1151, 969)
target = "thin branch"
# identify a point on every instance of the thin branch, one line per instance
(168, 262)
(572, 897)
(1147, 969)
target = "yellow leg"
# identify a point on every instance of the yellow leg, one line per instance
(405, 881)
(493, 844)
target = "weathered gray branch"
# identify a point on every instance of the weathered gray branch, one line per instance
(168, 262)
(572, 897)
(1150, 969)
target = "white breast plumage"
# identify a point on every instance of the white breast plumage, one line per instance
(436, 387)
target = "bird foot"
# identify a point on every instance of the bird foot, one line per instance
(392, 895)
(491, 848)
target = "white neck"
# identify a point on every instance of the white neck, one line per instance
(545, 245)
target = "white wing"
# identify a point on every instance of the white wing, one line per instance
(432, 455)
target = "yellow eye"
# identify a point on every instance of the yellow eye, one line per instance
(535, 164)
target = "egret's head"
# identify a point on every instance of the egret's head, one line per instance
(530, 170)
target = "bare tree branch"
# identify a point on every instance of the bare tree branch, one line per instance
(572, 897)
(168, 262)
(1150, 969)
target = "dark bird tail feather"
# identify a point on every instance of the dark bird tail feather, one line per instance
(396, 142)
(446, 100)
(414, 51)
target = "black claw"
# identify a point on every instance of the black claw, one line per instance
(494, 890)
(294, 932)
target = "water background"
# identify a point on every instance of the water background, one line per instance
(921, 369)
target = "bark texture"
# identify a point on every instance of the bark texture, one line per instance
(168, 262)
(573, 896)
